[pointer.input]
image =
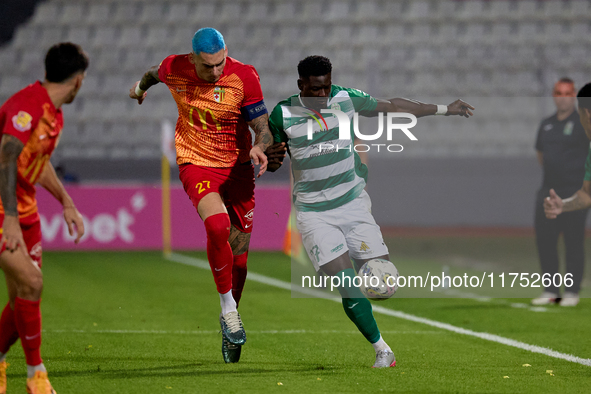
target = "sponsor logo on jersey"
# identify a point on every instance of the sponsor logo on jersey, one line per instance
(22, 121)
(249, 215)
(219, 94)
(548, 127)
(340, 247)
(364, 247)
(36, 251)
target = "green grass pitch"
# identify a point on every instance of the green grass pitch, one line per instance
(137, 323)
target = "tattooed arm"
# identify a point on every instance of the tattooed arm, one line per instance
(554, 205)
(149, 79)
(263, 139)
(10, 149)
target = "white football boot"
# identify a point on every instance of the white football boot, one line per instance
(385, 359)
(569, 299)
(546, 298)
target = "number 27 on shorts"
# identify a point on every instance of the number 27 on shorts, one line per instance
(202, 186)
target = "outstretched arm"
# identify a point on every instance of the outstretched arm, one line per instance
(419, 109)
(554, 205)
(49, 180)
(262, 140)
(150, 78)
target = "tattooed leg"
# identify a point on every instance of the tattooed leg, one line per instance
(239, 242)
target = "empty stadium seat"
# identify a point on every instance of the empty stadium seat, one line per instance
(338, 11)
(105, 37)
(419, 9)
(80, 35)
(528, 9)
(501, 10)
(46, 13)
(25, 37)
(180, 13)
(312, 11)
(257, 11)
(157, 36)
(71, 13)
(9, 59)
(369, 10)
(153, 12)
(579, 9)
(126, 12)
(130, 36)
(284, 11)
(98, 14)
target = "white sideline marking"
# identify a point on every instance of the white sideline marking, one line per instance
(402, 315)
(216, 332)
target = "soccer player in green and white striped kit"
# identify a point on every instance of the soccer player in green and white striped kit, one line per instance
(333, 209)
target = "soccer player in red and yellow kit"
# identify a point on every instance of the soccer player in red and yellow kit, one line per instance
(31, 122)
(218, 98)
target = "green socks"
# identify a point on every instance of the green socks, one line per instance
(357, 307)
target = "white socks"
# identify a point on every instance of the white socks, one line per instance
(381, 345)
(227, 302)
(32, 369)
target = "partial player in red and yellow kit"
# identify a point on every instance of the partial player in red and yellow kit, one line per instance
(218, 98)
(30, 125)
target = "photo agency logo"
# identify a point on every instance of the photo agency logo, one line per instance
(335, 124)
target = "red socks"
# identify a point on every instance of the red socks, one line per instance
(229, 272)
(219, 252)
(27, 316)
(8, 331)
(239, 276)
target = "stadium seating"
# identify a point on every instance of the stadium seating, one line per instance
(431, 49)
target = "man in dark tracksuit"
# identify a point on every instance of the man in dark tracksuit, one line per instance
(562, 148)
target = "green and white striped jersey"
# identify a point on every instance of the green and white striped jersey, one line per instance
(324, 177)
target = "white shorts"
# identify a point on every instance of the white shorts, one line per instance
(349, 228)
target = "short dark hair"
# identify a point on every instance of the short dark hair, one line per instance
(314, 66)
(566, 80)
(584, 97)
(63, 60)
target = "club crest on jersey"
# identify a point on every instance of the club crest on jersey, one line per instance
(219, 93)
(22, 121)
(568, 128)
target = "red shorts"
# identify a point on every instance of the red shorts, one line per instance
(31, 227)
(235, 185)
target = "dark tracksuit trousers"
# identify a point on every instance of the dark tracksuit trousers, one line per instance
(572, 226)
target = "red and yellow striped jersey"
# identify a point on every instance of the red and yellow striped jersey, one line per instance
(211, 129)
(30, 116)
